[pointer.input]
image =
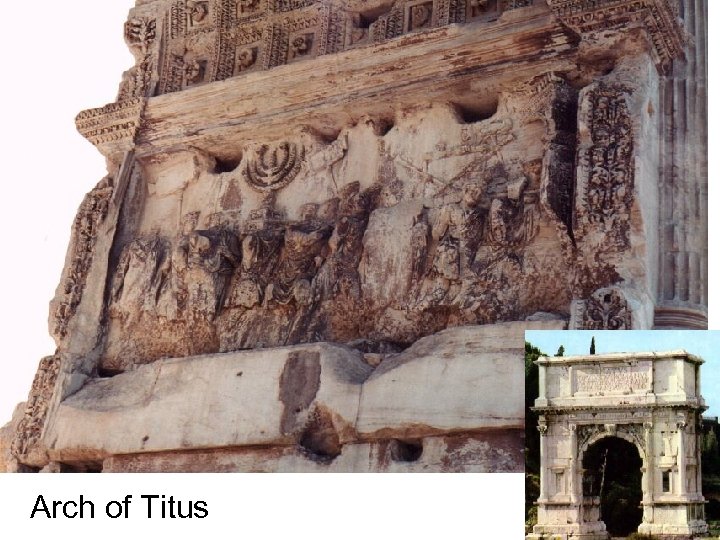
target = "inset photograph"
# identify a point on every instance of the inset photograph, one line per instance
(622, 434)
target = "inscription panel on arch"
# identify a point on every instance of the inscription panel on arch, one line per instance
(617, 379)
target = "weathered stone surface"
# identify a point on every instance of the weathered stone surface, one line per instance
(318, 399)
(236, 399)
(474, 371)
(8, 462)
(487, 451)
(300, 190)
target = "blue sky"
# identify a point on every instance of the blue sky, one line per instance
(705, 344)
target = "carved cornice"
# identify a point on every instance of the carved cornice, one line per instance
(111, 128)
(660, 18)
(212, 40)
(553, 410)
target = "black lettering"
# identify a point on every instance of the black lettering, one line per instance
(69, 509)
(201, 508)
(189, 512)
(83, 502)
(149, 503)
(65, 512)
(40, 501)
(114, 515)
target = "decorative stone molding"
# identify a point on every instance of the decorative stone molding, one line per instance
(90, 216)
(606, 165)
(658, 17)
(218, 39)
(112, 128)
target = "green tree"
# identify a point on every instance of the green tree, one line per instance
(561, 351)
(710, 453)
(592, 345)
(532, 436)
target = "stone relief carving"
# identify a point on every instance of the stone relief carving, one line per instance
(141, 36)
(606, 309)
(472, 251)
(421, 222)
(468, 255)
(90, 216)
(198, 13)
(657, 17)
(607, 193)
(31, 425)
(472, 245)
(585, 432)
(636, 433)
(140, 31)
(592, 432)
(604, 197)
(272, 167)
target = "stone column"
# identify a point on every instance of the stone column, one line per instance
(542, 428)
(542, 390)
(647, 477)
(681, 460)
(698, 451)
(682, 298)
(573, 465)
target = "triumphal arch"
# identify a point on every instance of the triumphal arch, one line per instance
(650, 400)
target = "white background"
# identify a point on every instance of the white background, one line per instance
(61, 56)
(65, 56)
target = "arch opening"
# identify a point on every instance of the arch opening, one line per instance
(612, 478)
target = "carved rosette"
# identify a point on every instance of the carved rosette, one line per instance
(140, 31)
(606, 309)
(112, 128)
(30, 428)
(272, 167)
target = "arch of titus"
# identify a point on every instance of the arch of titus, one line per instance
(326, 224)
(651, 400)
